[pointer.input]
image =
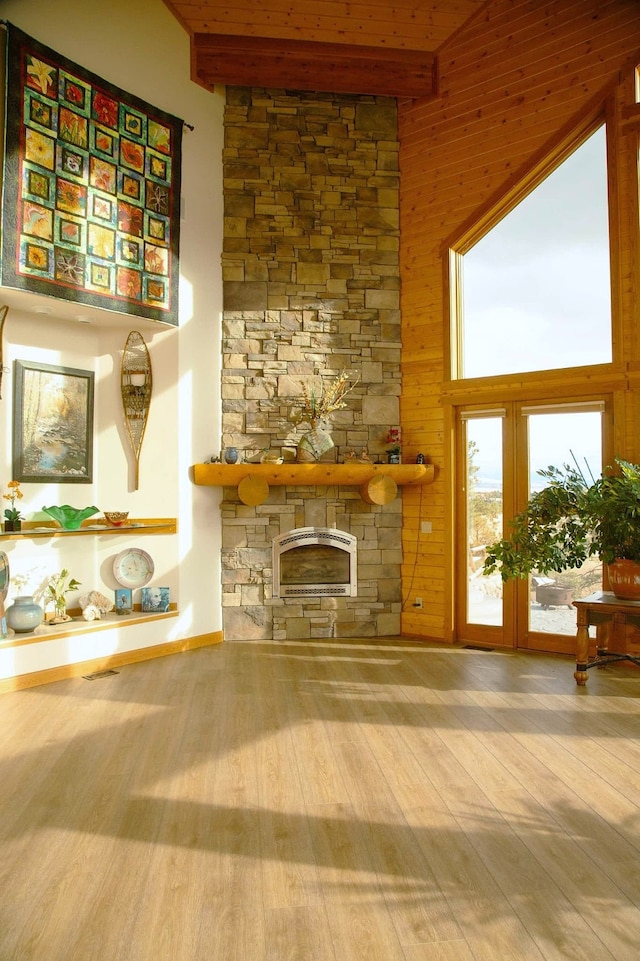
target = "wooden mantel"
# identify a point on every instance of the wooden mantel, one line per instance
(378, 483)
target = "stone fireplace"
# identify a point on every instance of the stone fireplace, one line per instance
(311, 289)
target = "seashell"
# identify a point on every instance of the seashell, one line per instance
(91, 613)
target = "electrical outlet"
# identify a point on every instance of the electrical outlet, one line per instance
(426, 527)
(418, 603)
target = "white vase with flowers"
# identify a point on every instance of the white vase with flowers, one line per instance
(320, 399)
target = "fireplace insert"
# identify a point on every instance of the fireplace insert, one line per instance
(315, 561)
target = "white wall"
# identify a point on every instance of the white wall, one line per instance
(139, 46)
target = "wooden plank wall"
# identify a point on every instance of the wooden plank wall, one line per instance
(511, 84)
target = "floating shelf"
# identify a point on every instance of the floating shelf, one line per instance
(50, 632)
(378, 483)
(149, 525)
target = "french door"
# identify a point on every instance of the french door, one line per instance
(499, 453)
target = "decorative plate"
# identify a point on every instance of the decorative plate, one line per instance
(133, 567)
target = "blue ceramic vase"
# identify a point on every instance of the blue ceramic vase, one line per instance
(24, 615)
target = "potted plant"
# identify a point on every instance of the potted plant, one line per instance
(57, 589)
(395, 451)
(574, 518)
(13, 517)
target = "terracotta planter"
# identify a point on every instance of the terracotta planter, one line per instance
(624, 579)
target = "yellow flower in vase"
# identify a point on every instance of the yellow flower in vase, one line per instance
(13, 517)
(319, 401)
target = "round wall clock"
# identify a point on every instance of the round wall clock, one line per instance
(133, 567)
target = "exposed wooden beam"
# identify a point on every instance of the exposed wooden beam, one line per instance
(307, 65)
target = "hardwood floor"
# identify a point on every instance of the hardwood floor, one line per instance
(323, 801)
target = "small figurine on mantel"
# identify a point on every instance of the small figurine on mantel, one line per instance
(364, 456)
(271, 457)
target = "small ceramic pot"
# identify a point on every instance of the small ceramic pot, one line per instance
(231, 455)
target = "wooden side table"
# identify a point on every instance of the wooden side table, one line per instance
(611, 616)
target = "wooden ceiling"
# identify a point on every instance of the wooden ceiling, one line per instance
(383, 47)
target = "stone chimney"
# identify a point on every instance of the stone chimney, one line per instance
(311, 288)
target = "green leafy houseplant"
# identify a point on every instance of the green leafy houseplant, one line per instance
(58, 588)
(570, 519)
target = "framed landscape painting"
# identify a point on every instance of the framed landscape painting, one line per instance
(52, 424)
(91, 207)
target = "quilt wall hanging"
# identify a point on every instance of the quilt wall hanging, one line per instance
(91, 198)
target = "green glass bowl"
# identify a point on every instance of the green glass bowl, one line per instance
(70, 518)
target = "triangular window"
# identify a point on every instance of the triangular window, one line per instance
(536, 290)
